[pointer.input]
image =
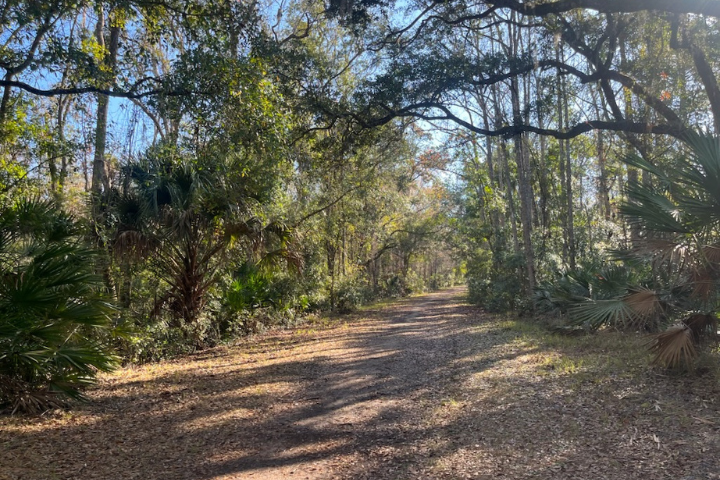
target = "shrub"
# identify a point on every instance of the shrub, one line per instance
(496, 283)
(53, 318)
(677, 216)
(351, 292)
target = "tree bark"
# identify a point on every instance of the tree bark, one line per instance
(524, 176)
(100, 180)
(603, 188)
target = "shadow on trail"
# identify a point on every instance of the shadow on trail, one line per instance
(389, 397)
(367, 396)
(353, 395)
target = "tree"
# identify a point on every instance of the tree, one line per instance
(184, 214)
(678, 216)
(592, 39)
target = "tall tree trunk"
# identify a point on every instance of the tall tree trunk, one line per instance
(525, 191)
(570, 207)
(494, 215)
(509, 196)
(331, 253)
(54, 180)
(603, 188)
(544, 193)
(506, 174)
(524, 168)
(566, 160)
(631, 142)
(100, 180)
(57, 178)
(5, 102)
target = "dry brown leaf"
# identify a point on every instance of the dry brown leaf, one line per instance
(674, 346)
(644, 303)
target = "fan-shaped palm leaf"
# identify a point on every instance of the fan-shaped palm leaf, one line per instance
(674, 347)
(51, 313)
(596, 313)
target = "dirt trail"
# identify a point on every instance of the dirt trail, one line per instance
(425, 388)
(362, 395)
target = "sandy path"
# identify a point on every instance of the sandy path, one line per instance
(426, 388)
(363, 391)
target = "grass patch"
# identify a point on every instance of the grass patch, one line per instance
(603, 354)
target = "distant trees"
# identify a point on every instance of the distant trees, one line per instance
(220, 166)
(169, 181)
(535, 79)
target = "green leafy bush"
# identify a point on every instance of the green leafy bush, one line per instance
(53, 318)
(671, 274)
(259, 296)
(351, 292)
(496, 283)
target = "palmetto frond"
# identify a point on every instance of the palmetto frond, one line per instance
(702, 173)
(680, 214)
(702, 325)
(677, 345)
(591, 286)
(674, 346)
(596, 313)
(645, 303)
(686, 199)
(51, 311)
(703, 282)
(653, 210)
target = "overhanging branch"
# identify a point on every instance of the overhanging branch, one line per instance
(421, 111)
(699, 7)
(54, 92)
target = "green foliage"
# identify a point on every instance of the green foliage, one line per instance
(591, 295)
(224, 178)
(54, 321)
(251, 289)
(183, 216)
(671, 272)
(680, 216)
(495, 281)
(255, 287)
(351, 292)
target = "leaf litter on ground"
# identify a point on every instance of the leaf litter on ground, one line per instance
(426, 387)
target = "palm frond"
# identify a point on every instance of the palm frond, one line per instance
(53, 316)
(674, 347)
(711, 254)
(653, 210)
(637, 161)
(644, 303)
(703, 283)
(596, 313)
(704, 170)
(702, 325)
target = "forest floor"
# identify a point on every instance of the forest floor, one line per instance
(422, 388)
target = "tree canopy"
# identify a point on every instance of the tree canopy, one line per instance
(221, 167)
